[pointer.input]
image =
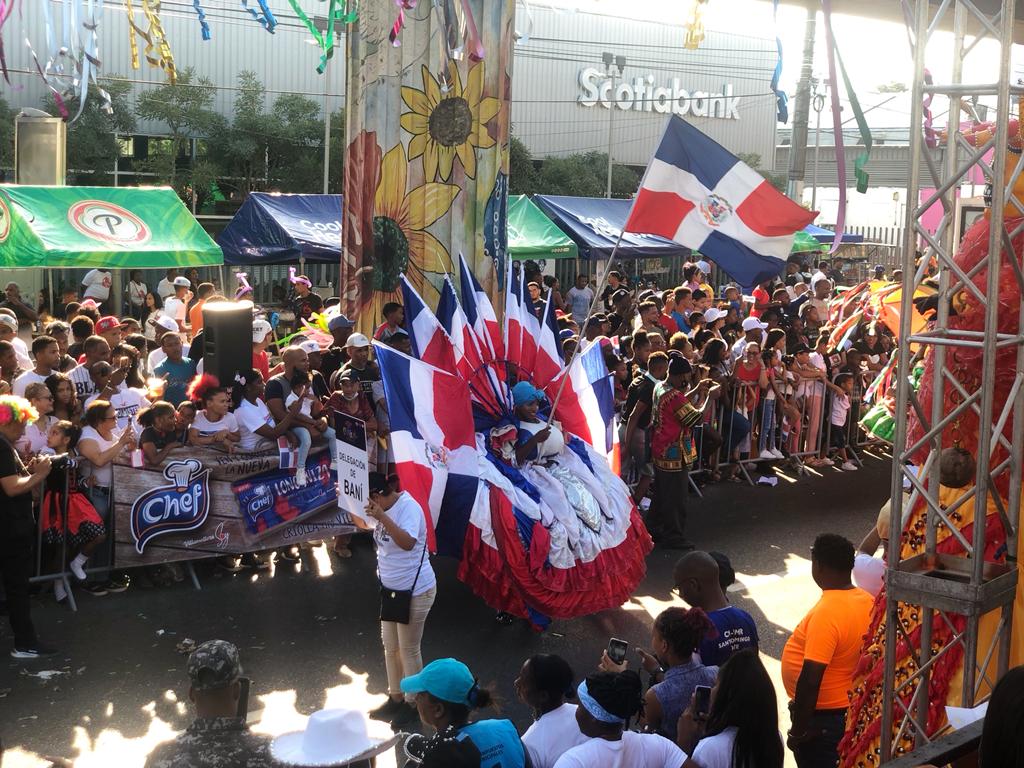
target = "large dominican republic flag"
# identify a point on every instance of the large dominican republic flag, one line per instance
(433, 442)
(699, 195)
(587, 403)
(480, 314)
(429, 341)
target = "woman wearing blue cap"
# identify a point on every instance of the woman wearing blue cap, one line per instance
(446, 693)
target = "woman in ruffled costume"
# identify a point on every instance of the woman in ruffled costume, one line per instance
(554, 532)
(860, 746)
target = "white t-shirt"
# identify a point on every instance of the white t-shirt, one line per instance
(634, 749)
(21, 352)
(554, 734)
(396, 567)
(205, 427)
(174, 308)
(580, 300)
(137, 293)
(165, 288)
(869, 573)
(85, 387)
(127, 402)
(97, 285)
(104, 475)
(715, 751)
(28, 377)
(840, 408)
(250, 417)
(307, 403)
(34, 440)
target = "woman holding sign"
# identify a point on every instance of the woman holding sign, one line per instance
(407, 589)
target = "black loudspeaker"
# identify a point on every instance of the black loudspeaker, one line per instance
(227, 339)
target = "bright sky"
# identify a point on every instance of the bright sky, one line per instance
(875, 53)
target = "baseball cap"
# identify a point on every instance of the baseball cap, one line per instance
(753, 324)
(620, 295)
(9, 321)
(704, 267)
(713, 313)
(348, 374)
(167, 323)
(309, 347)
(57, 326)
(182, 282)
(524, 392)
(214, 664)
(566, 333)
(260, 329)
(110, 323)
(339, 321)
(445, 679)
(357, 341)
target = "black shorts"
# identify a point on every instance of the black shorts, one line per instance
(837, 437)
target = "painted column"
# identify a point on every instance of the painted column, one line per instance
(426, 167)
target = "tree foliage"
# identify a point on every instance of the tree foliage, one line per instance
(580, 175)
(522, 175)
(6, 135)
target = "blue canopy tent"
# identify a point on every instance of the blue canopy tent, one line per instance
(276, 229)
(828, 236)
(594, 224)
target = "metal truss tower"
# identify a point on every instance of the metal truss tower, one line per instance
(943, 587)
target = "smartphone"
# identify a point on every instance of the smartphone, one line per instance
(701, 700)
(617, 650)
(243, 698)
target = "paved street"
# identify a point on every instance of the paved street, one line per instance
(309, 635)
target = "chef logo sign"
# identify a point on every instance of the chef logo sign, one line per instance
(108, 223)
(181, 505)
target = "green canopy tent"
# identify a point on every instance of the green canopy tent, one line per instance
(532, 235)
(112, 227)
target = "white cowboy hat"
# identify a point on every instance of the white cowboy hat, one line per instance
(333, 737)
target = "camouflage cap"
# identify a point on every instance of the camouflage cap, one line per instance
(214, 664)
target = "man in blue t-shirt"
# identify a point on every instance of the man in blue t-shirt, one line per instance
(176, 370)
(696, 580)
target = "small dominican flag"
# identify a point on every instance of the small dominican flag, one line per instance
(702, 197)
(288, 457)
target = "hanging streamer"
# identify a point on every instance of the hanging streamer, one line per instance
(695, 26)
(454, 26)
(930, 136)
(6, 7)
(473, 41)
(265, 18)
(204, 26)
(133, 29)
(524, 36)
(399, 25)
(837, 127)
(338, 12)
(89, 64)
(781, 99)
(156, 39)
(862, 126)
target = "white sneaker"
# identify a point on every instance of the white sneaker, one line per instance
(826, 463)
(849, 466)
(59, 592)
(76, 568)
(300, 478)
(767, 455)
(778, 454)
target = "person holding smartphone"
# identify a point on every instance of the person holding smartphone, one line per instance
(737, 722)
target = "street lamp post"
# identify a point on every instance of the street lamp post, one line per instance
(613, 66)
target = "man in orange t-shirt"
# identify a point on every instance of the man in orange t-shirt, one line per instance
(820, 658)
(195, 315)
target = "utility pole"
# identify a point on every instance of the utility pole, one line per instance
(801, 113)
(327, 126)
(619, 64)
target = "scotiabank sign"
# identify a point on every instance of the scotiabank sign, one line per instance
(641, 95)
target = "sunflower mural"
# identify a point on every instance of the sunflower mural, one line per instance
(449, 125)
(426, 170)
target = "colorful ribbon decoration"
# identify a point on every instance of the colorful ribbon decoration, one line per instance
(781, 99)
(265, 17)
(695, 26)
(473, 41)
(930, 136)
(133, 29)
(156, 38)
(338, 12)
(520, 35)
(6, 8)
(399, 25)
(204, 26)
(837, 126)
(862, 125)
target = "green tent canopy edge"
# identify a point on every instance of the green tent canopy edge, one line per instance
(532, 235)
(113, 227)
